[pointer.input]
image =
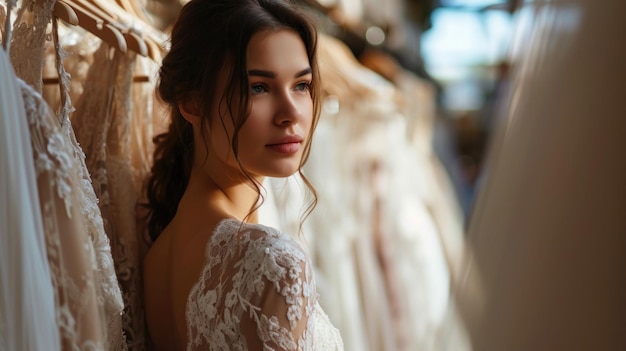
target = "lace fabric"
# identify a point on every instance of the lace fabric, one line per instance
(109, 293)
(28, 40)
(102, 125)
(87, 295)
(123, 198)
(251, 272)
(71, 253)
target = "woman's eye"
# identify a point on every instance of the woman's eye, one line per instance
(304, 86)
(258, 89)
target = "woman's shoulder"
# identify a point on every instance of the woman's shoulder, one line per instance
(259, 249)
(254, 237)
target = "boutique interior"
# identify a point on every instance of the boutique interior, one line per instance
(468, 163)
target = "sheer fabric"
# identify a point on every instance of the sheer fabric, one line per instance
(123, 199)
(252, 271)
(108, 290)
(27, 309)
(87, 295)
(102, 125)
(70, 250)
(28, 40)
(117, 139)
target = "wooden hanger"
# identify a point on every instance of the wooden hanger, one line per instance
(65, 12)
(127, 13)
(94, 24)
(100, 24)
(131, 7)
(133, 40)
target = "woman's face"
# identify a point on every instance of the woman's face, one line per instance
(272, 140)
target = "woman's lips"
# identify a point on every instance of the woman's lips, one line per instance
(287, 145)
(285, 148)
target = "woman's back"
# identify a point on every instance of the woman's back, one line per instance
(255, 287)
(171, 268)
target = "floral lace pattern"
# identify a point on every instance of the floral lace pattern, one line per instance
(28, 40)
(110, 295)
(257, 286)
(71, 253)
(102, 125)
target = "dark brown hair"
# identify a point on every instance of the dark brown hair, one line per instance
(210, 36)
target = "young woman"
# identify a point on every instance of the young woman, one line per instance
(242, 81)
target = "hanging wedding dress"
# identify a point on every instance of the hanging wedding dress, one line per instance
(424, 220)
(123, 200)
(70, 250)
(102, 125)
(86, 294)
(377, 242)
(28, 40)
(27, 308)
(109, 293)
(354, 299)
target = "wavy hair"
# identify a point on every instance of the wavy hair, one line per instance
(207, 37)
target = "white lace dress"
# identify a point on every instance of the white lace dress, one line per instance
(256, 286)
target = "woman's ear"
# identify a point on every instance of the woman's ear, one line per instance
(190, 111)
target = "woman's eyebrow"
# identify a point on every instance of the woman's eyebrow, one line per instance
(270, 74)
(304, 72)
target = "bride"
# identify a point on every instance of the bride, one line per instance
(242, 82)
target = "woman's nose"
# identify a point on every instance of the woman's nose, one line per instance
(287, 110)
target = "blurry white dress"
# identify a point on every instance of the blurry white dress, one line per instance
(251, 272)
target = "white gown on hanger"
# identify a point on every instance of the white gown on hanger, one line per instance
(27, 309)
(250, 272)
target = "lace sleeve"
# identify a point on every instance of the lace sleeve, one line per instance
(256, 292)
(279, 315)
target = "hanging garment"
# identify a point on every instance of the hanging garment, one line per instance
(149, 118)
(27, 308)
(123, 200)
(70, 250)
(86, 292)
(28, 40)
(102, 125)
(250, 271)
(334, 229)
(80, 46)
(377, 239)
(108, 290)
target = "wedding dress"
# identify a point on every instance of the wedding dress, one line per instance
(86, 294)
(70, 250)
(102, 124)
(27, 309)
(252, 271)
(377, 238)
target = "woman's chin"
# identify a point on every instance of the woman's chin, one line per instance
(280, 172)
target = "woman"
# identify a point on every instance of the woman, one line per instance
(242, 82)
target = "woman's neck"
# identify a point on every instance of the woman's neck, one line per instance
(227, 195)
